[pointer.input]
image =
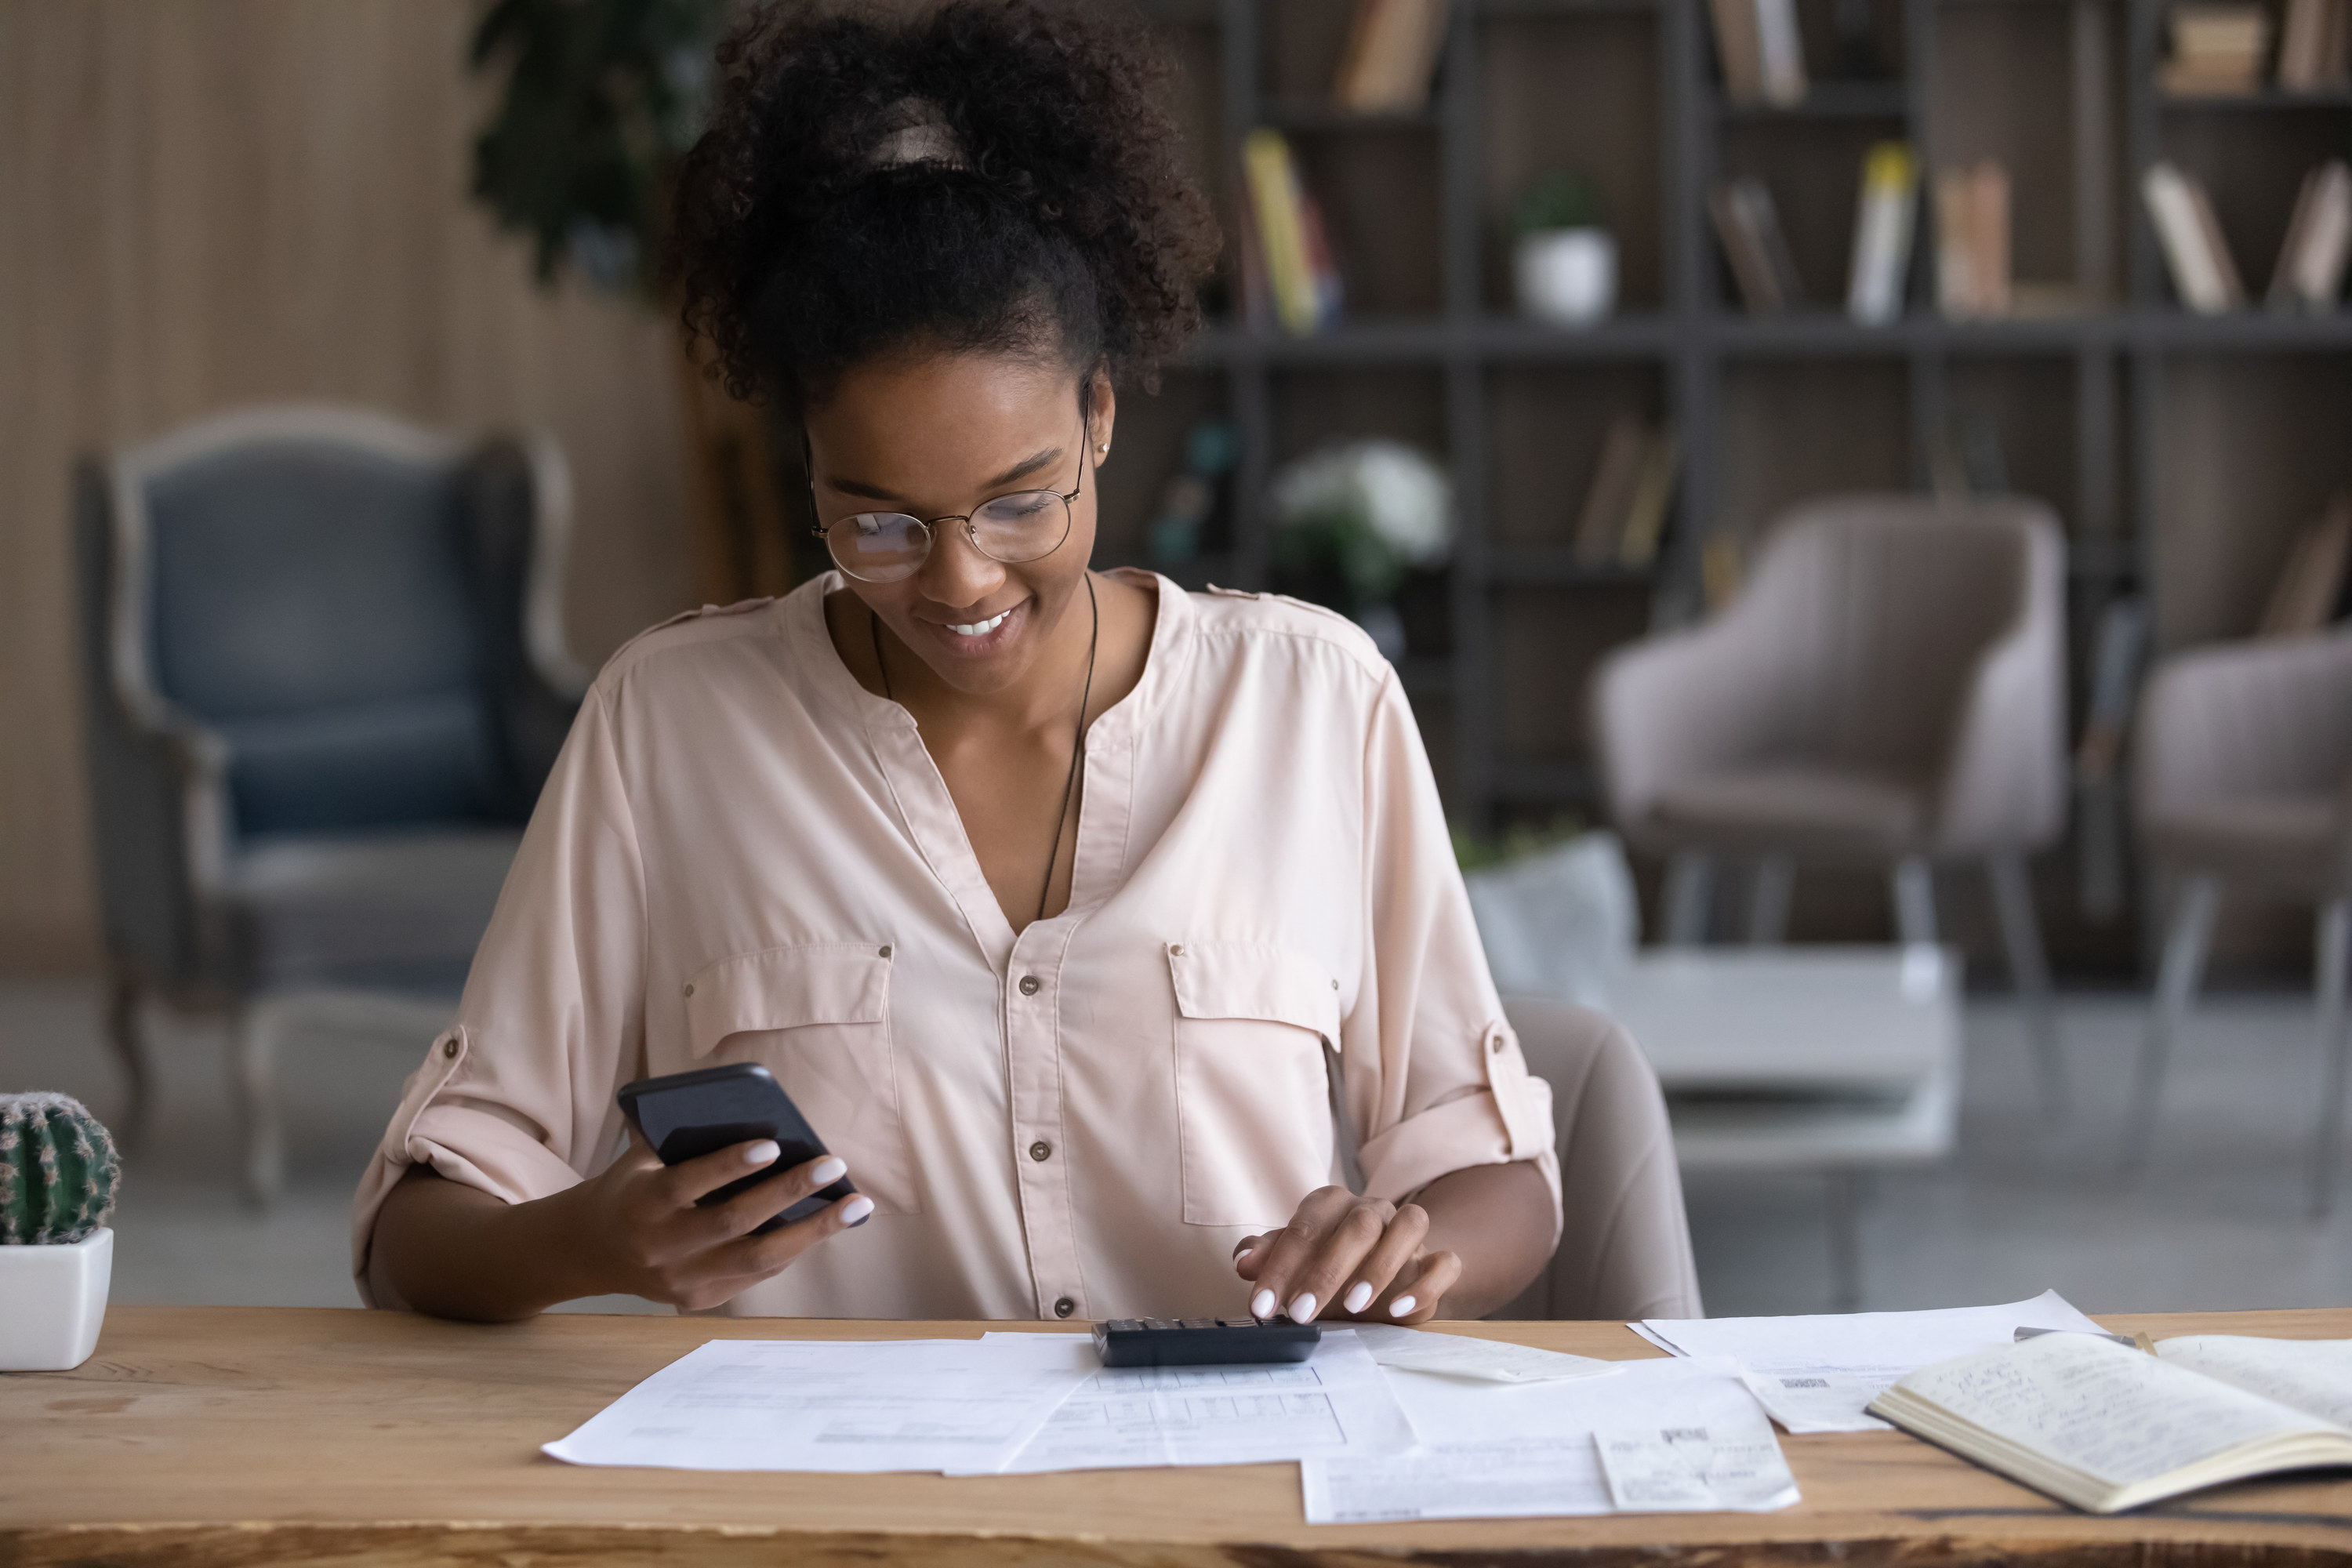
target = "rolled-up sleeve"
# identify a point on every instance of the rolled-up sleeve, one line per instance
(516, 1098)
(1436, 1081)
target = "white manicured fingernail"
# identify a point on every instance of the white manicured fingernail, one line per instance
(763, 1153)
(1302, 1310)
(829, 1170)
(1358, 1298)
(1262, 1304)
(856, 1208)
(1402, 1307)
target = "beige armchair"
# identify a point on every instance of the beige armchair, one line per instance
(1887, 691)
(2240, 775)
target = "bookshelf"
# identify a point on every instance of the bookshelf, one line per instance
(2181, 451)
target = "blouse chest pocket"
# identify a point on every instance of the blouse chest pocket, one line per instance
(1254, 1102)
(817, 1015)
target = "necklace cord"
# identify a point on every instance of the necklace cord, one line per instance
(1078, 742)
(1077, 748)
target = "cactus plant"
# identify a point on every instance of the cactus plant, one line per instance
(58, 1171)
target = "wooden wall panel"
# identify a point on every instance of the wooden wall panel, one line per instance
(202, 205)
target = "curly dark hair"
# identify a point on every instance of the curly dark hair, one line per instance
(994, 177)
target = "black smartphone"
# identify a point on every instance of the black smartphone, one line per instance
(689, 1114)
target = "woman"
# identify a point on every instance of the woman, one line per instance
(1108, 935)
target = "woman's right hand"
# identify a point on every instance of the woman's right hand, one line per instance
(639, 1221)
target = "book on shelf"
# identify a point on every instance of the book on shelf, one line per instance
(2203, 275)
(1294, 249)
(1610, 496)
(2311, 582)
(1972, 250)
(1738, 48)
(1722, 569)
(2105, 1427)
(1653, 493)
(1968, 461)
(2216, 50)
(1625, 513)
(1780, 48)
(1390, 55)
(1883, 220)
(1748, 223)
(2102, 830)
(2116, 656)
(2315, 45)
(1762, 50)
(2310, 270)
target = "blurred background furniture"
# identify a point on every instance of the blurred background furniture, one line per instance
(1887, 691)
(2243, 764)
(1841, 1061)
(1624, 1249)
(325, 678)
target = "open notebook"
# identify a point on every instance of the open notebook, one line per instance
(2107, 1428)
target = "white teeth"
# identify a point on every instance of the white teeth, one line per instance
(979, 628)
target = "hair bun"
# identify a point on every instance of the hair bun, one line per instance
(989, 175)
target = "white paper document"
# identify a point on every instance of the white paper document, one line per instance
(1723, 1467)
(1121, 1418)
(1817, 1374)
(1512, 1451)
(818, 1404)
(1463, 1355)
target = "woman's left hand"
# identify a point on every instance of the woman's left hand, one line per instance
(1347, 1256)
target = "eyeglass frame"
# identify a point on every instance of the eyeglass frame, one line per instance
(1069, 500)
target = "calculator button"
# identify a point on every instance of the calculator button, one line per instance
(1122, 1325)
(1198, 1323)
(1238, 1323)
(1158, 1324)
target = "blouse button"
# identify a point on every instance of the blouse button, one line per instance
(1028, 986)
(689, 988)
(1064, 1307)
(448, 1047)
(1335, 986)
(1176, 950)
(1040, 1150)
(1496, 1044)
(886, 949)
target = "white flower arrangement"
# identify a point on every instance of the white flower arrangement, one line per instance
(1403, 498)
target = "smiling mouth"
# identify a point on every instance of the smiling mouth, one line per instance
(981, 628)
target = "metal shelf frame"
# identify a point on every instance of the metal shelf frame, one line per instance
(1695, 336)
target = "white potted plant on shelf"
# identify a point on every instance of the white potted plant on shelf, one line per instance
(1564, 263)
(58, 1174)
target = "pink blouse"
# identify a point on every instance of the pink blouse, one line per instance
(1266, 979)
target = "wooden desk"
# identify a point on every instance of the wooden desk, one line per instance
(217, 1434)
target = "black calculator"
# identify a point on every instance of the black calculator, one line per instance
(1203, 1341)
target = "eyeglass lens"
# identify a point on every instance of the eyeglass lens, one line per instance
(884, 546)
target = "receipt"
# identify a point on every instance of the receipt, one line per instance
(1461, 1355)
(1732, 1465)
(1519, 1450)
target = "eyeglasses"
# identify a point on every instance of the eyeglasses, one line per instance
(890, 546)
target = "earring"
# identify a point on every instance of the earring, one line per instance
(1104, 449)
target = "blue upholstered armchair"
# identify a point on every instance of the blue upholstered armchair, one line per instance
(325, 673)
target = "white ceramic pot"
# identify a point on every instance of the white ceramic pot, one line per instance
(52, 1300)
(1567, 275)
